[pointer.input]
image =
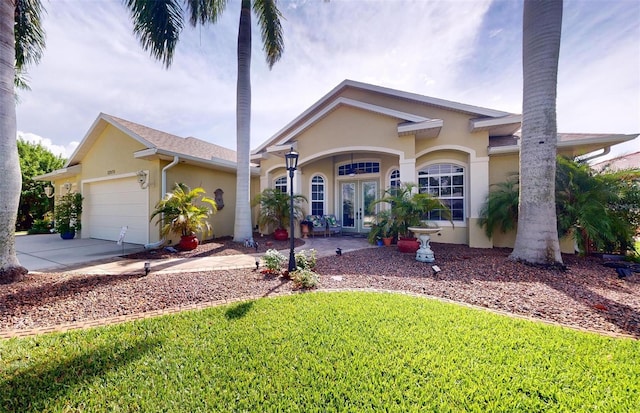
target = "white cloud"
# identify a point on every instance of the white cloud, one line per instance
(59, 150)
(457, 50)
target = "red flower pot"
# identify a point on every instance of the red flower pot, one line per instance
(408, 245)
(188, 243)
(281, 234)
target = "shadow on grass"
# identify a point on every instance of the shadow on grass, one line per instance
(238, 310)
(38, 386)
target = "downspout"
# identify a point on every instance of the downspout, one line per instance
(592, 157)
(176, 159)
(163, 184)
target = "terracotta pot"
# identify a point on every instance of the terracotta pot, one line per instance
(188, 243)
(281, 234)
(408, 245)
(387, 241)
(305, 230)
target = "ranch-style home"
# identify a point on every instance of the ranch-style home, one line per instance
(355, 142)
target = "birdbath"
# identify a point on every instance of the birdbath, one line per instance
(424, 253)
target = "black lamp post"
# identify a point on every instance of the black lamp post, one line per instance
(292, 164)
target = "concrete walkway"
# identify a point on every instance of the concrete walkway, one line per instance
(49, 253)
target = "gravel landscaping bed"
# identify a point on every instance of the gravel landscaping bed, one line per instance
(587, 295)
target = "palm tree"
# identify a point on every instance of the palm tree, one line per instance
(21, 43)
(180, 214)
(537, 237)
(158, 25)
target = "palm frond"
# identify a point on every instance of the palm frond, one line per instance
(270, 29)
(205, 11)
(29, 34)
(157, 24)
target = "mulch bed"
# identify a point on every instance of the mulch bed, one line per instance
(587, 295)
(218, 246)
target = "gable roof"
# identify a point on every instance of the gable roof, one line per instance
(410, 123)
(157, 140)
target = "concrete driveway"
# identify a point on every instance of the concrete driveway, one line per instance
(44, 252)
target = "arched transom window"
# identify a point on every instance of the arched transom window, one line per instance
(281, 184)
(445, 182)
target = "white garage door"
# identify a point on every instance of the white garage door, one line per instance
(113, 204)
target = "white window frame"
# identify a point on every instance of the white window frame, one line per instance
(324, 194)
(448, 197)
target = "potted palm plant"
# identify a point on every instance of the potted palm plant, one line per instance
(180, 215)
(408, 208)
(67, 215)
(274, 210)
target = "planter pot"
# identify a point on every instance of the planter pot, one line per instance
(409, 245)
(281, 234)
(379, 243)
(68, 234)
(305, 230)
(387, 241)
(188, 243)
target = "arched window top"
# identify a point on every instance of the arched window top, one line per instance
(281, 184)
(394, 179)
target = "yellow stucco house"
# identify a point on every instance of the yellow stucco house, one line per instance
(355, 142)
(122, 169)
(360, 139)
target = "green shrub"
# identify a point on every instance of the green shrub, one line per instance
(304, 278)
(41, 226)
(273, 260)
(306, 260)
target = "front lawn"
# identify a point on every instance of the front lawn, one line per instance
(350, 351)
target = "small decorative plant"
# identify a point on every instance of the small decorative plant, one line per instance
(408, 207)
(275, 207)
(306, 260)
(273, 261)
(67, 215)
(180, 215)
(304, 278)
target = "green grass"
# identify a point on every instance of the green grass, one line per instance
(323, 352)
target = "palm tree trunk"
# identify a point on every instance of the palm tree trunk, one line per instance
(11, 182)
(537, 236)
(242, 227)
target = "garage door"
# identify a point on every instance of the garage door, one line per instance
(113, 204)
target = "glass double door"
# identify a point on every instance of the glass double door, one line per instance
(355, 203)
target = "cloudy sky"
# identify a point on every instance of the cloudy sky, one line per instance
(464, 51)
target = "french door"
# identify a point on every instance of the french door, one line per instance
(355, 205)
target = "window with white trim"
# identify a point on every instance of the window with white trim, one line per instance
(394, 180)
(317, 195)
(445, 182)
(281, 184)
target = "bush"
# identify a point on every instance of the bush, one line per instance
(304, 261)
(304, 278)
(273, 260)
(41, 226)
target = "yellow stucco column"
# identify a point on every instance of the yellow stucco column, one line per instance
(408, 170)
(478, 188)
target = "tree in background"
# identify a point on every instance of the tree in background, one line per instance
(600, 210)
(537, 237)
(158, 24)
(597, 209)
(21, 43)
(35, 160)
